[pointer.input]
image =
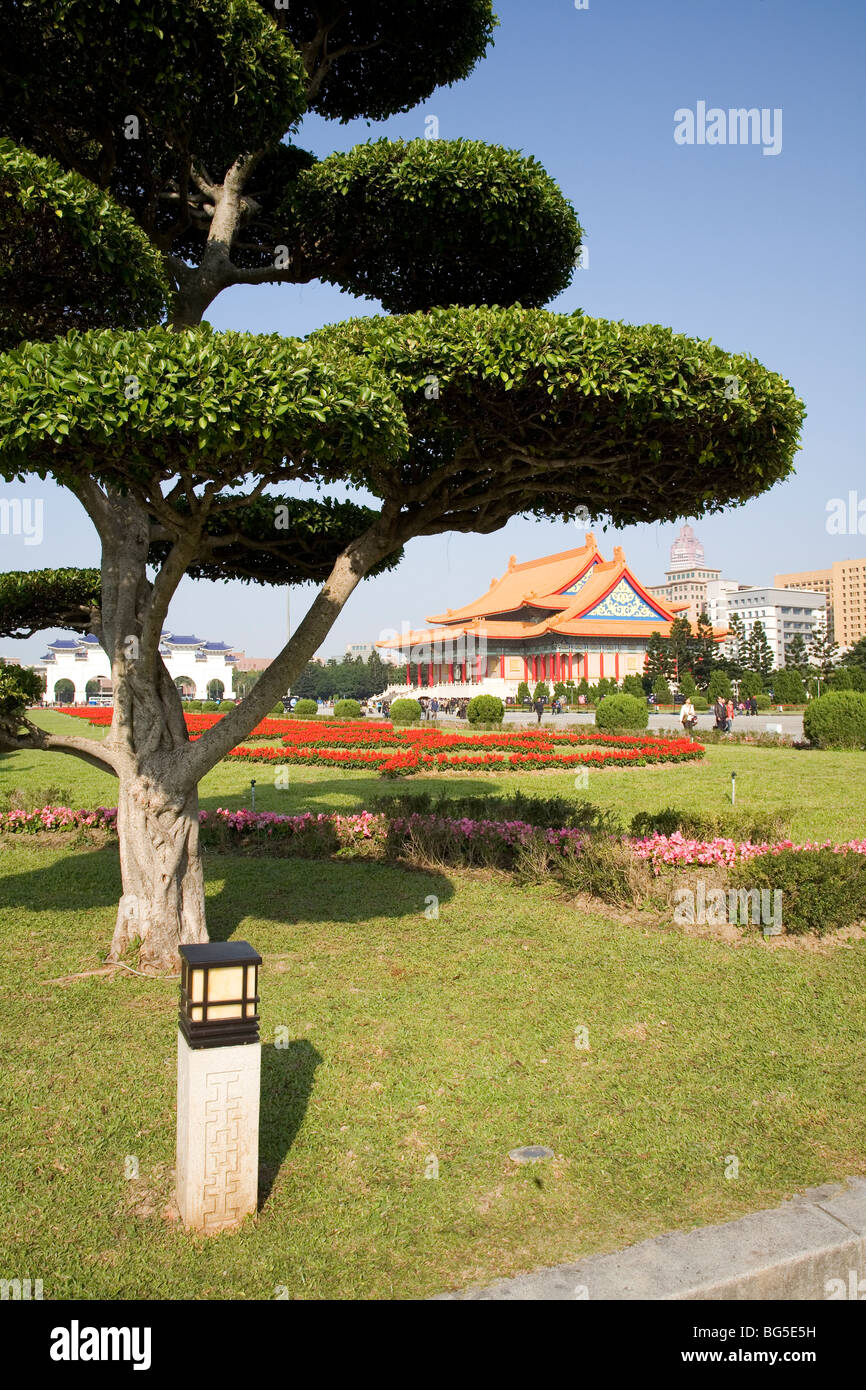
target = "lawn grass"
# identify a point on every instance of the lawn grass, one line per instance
(412, 1037)
(821, 792)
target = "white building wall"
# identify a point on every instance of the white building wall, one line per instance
(66, 666)
(784, 614)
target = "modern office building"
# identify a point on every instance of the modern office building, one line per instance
(784, 615)
(687, 553)
(844, 586)
(686, 589)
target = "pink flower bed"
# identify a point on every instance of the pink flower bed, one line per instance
(345, 830)
(56, 818)
(676, 850)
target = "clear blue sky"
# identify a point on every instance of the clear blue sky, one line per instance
(762, 254)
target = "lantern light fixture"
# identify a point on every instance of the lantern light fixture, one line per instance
(219, 994)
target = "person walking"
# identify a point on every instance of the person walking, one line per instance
(688, 717)
(539, 707)
(729, 716)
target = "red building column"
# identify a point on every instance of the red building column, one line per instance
(601, 665)
(586, 665)
(464, 673)
(408, 675)
(502, 667)
(616, 662)
(450, 672)
(430, 673)
(570, 671)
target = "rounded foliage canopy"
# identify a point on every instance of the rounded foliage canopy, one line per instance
(538, 413)
(836, 720)
(70, 257)
(429, 222)
(392, 53)
(31, 600)
(621, 712)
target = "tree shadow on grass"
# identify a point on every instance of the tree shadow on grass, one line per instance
(288, 1075)
(283, 890)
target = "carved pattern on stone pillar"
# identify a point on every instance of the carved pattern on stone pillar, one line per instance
(222, 1145)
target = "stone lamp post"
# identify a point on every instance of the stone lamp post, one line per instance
(218, 1085)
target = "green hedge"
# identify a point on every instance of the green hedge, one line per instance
(347, 709)
(621, 712)
(821, 890)
(305, 709)
(836, 720)
(485, 709)
(405, 712)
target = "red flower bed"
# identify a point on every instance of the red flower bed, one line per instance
(399, 752)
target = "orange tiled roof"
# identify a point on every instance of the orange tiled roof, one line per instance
(535, 581)
(539, 582)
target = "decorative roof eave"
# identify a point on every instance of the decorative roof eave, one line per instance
(510, 591)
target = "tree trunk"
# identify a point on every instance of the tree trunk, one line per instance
(163, 886)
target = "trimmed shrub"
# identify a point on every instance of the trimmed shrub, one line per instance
(209, 706)
(759, 827)
(483, 709)
(687, 685)
(719, 685)
(405, 712)
(836, 720)
(633, 685)
(305, 709)
(821, 890)
(621, 712)
(662, 691)
(763, 702)
(700, 703)
(347, 709)
(751, 683)
(523, 693)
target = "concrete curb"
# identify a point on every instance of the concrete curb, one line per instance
(790, 1252)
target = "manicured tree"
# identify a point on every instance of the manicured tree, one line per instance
(522, 692)
(719, 684)
(687, 685)
(633, 685)
(191, 451)
(541, 691)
